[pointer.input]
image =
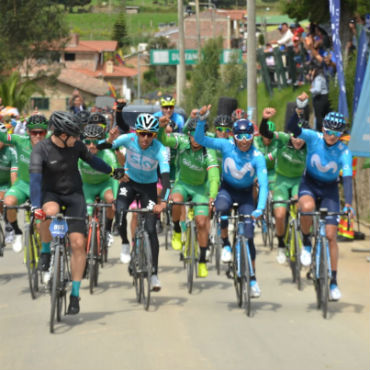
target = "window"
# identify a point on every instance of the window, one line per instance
(40, 103)
(69, 57)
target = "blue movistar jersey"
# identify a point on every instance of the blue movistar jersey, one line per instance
(141, 164)
(324, 162)
(239, 169)
(176, 117)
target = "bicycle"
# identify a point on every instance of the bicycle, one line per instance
(241, 268)
(32, 248)
(2, 234)
(216, 243)
(168, 228)
(320, 266)
(59, 266)
(191, 247)
(96, 246)
(293, 240)
(141, 259)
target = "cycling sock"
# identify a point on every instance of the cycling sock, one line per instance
(108, 225)
(226, 241)
(183, 225)
(307, 240)
(333, 277)
(75, 288)
(202, 257)
(45, 247)
(17, 230)
(253, 278)
(177, 227)
(281, 241)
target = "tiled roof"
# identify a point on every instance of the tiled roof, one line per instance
(118, 71)
(83, 82)
(92, 46)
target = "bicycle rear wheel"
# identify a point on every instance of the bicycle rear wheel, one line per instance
(56, 287)
(146, 271)
(245, 275)
(324, 281)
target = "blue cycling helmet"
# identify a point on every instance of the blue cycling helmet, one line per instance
(334, 121)
(147, 122)
(243, 126)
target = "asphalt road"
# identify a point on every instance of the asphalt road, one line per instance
(204, 330)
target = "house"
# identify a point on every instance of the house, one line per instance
(89, 66)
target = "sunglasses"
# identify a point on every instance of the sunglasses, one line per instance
(146, 133)
(332, 132)
(223, 129)
(37, 132)
(243, 136)
(168, 107)
(94, 142)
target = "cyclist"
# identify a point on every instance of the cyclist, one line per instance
(223, 126)
(19, 192)
(326, 156)
(198, 178)
(56, 182)
(96, 183)
(143, 156)
(241, 162)
(8, 168)
(290, 163)
(168, 109)
(83, 118)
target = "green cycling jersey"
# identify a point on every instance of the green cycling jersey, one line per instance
(194, 167)
(8, 163)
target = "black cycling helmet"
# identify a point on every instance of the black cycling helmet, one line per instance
(243, 126)
(223, 120)
(97, 119)
(83, 117)
(191, 125)
(94, 131)
(37, 121)
(64, 123)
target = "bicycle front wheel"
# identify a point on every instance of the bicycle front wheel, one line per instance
(190, 259)
(297, 250)
(32, 251)
(56, 287)
(236, 273)
(245, 275)
(146, 271)
(93, 259)
(324, 281)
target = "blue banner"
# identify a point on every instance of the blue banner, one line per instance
(360, 68)
(360, 133)
(334, 7)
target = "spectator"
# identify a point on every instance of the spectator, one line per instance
(319, 91)
(76, 103)
(270, 62)
(352, 44)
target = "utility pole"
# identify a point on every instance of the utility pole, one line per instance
(251, 60)
(198, 27)
(181, 66)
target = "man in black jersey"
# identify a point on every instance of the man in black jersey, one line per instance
(55, 181)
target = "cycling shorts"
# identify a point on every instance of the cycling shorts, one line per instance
(91, 191)
(285, 188)
(197, 193)
(21, 190)
(75, 206)
(327, 193)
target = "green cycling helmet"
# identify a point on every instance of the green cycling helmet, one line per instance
(37, 121)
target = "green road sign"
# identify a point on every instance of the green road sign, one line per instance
(172, 56)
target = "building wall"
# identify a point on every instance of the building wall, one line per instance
(83, 60)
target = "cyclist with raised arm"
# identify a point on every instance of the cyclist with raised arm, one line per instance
(168, 110)
(56, 182)
(198, 178)
(144, 154)
(241, 162)
(326, 156)
(19, 192)
(290, 163)
(96, 183)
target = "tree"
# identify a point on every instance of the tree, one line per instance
(16, 92)
(317, 11)
(120, 33)
(206, 85)
(28, 29)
